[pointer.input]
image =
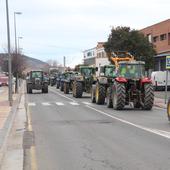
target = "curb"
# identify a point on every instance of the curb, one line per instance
(8, 127)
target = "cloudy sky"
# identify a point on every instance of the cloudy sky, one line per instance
(52, 29)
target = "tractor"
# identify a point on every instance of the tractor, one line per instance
(105, 79)
(36, 80)
(131, 87)
(84, 81)
(68, 81)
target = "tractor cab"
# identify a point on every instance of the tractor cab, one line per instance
(131, 70)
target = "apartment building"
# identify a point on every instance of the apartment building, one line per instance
(159, 35)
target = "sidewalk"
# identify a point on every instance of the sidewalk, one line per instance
(7, 115)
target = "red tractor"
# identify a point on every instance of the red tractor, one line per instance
(131, 87)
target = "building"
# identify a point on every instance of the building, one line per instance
(96, 56)
(89, 56)
(159, 35)
(101, 56)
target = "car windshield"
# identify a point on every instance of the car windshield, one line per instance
(110, 72)
(131, 71)
(87, 71)
(36, 74)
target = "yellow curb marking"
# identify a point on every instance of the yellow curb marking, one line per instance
(32, 150)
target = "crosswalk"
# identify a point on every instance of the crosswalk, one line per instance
(57, 103)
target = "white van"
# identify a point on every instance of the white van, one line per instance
(159, 79)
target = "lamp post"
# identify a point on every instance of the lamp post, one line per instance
(9, 57)
(15, 29)
(16, 48)
(19, 44)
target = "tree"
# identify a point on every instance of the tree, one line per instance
(133, 41)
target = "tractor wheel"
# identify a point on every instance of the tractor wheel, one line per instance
(45, 89)
(57, 85)
(148, 98)
(93, 99)
(29, 89)
(119, 96)
(109, 98)
(100, 94)
(61, 86)
(66, 88)
(77, 89)
(168, 109)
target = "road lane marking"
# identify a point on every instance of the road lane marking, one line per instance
(59, 103)
(46, 104)
(74, 103)
(31, 104)
(87, 103)
(154, 131)
(63, 96)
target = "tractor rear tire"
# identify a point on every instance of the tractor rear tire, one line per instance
(57, 85)
(100, 94)
(77, 89)
(93, 99)
(109, 98)
(66, 88)
(148, 98)
(29, 89)
(168, 109)
(119, 96)
(61, 86)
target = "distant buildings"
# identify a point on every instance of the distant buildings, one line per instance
(96, 56)
(159, 35)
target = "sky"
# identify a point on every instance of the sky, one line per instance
(52, 29)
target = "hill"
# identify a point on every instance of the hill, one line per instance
(29, 62)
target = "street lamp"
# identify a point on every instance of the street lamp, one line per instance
(9, 57)
(19, 44)
(15, 29)
(16, 49)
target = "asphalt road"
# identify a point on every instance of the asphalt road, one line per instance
(74, 134)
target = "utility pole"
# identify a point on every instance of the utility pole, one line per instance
(9, 58)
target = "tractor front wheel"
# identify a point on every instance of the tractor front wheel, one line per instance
(109, 98)
(168, 109)
(77, 89)
(66, 88)
(93, 99)
(100, 94)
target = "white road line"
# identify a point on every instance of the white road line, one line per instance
(87, 103)
(59, 103)
(74, 103)
(46, 104)
(31, 104)
(63, 96)
(154, 131)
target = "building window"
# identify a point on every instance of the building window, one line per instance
(169, 38)
(89, 54)
(149, 38)
(155, 39)
(163, 37)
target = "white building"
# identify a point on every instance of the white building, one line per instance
(101, 56)
(96, 56)
(89, 56)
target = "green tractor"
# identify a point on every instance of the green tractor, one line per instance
(105, 79)
(36, 80)
(84, 81)
(68, 81)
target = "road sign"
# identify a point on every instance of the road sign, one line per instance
(167, 62)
